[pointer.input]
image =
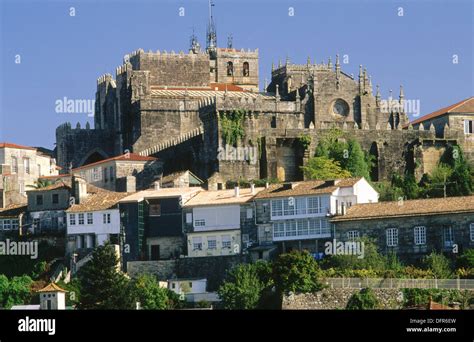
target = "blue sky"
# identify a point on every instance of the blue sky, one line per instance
(62, 56)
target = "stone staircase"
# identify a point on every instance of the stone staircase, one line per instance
(172, 142)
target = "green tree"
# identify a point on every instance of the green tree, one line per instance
(16, 291)
(466, 260)
(460, 181)
(103, 286)
(150, 295)
(439, 177)
(324, 168)
(438, 264)
(363, 300)
(296, 272)
(357, 163)
(242, 288)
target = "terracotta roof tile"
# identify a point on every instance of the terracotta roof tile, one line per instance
(221, 197)
(312, 187)
(464, 106)
(100, 200)
(52, 287)
(419, 207)
(11, 145)
(13, 210)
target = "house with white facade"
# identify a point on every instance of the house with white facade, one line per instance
(296, 215)
(220, 222)
(94, 220)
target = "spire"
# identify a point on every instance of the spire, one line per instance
(370, 84)
(361, 80)
(377, 95)
(402, 95)
(230, 39)
(308, 61)
(265, 84)
(287, 62)
(279, 63)
(329, 63)
(211, 30)
(194, 45)
(338, 66)
(273, 66)
(277, 93)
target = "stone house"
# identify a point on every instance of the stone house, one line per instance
(125, 173)
(296, 215)
(20, 168)
(12, 219)
(152, 221)
(220, 222)
(411, 228)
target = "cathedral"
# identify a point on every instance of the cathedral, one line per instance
(185, 107)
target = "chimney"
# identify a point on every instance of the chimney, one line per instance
(156, 185)
(267, 185)
(237, 191)
(80, 189)
(252, 189)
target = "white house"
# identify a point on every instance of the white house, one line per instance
(297, 213)
(94, 220)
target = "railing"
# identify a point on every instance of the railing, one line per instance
(397, 283)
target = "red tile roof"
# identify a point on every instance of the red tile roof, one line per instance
(123, 157)
(10, 145)
(52, 287)
(464, 106)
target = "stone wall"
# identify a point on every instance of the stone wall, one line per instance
(336, 299)
(214, 269)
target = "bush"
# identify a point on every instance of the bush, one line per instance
(439, 265)
(466, 260)
(363, 300)
(296, 272)
(415, 297)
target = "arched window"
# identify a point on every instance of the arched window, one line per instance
(230, 69)
(246, 70)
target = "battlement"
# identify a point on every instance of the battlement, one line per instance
(106, 78)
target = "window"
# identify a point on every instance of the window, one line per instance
(290, 228)
(392, 237)
(95, 174)
(352, 235)
(289, 206)
(39, 199)
(230, 69)
(200, 223)
(155, 209)
(55, 198)
(81, 218)
(279, 229)
(190, 285)
(72, 219)
(420, 235)
(14, 164)
(246, 69)
(302, 227)
(277, 208)
(249, 213)
(448, 237)
(189, 218)
(468, 127)
(106, 177)
(111, 169)
(15, 224)
(106, 218)
(39, 169)
(7, 224)
(314, 205)
(300, 206)
(471, 228)
(211, 242)
(26, 165)
(90, 219)
(197, 244)
(226, 241)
